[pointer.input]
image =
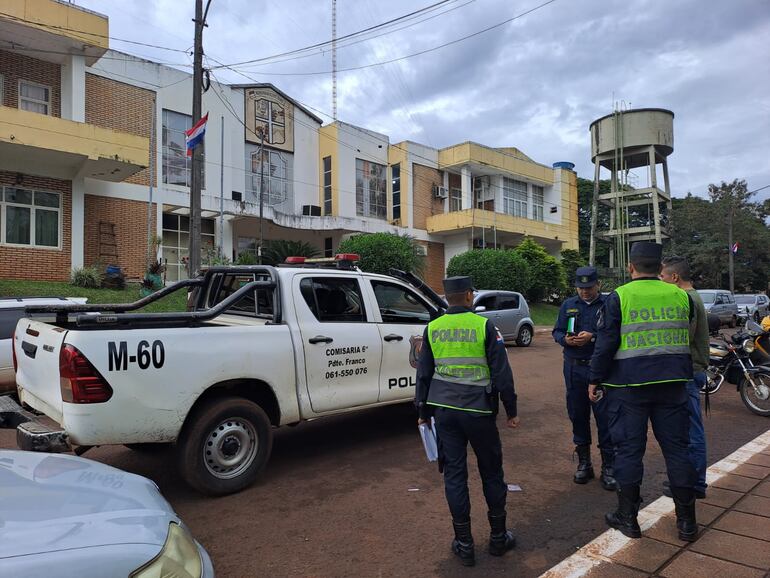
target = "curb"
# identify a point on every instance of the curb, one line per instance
(600, 549)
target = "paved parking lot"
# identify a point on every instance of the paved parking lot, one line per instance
(353, 496)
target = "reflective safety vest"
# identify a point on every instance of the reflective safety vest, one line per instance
(654, 335)
(461, 378)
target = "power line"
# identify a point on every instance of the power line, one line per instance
(419, 53)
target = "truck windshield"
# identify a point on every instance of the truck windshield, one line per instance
(707, 296)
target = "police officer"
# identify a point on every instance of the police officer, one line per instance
(642, 360)
(462, 372)
(575, 331)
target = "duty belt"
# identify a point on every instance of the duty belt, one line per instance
(573, 361)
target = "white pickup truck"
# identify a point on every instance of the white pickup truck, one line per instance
(260, 347)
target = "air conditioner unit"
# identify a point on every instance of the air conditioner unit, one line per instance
(421, 250)
(440, 192)
(311, 210)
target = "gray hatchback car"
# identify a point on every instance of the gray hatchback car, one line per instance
(509, 312)
(67, 516)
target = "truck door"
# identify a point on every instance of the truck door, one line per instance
(342, 350)
(403, 315)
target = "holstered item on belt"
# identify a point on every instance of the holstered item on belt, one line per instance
(583, 362)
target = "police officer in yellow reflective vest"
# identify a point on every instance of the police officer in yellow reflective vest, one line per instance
(462, 373)
(642, 360)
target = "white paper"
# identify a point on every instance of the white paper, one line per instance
(514, 488)
(429, 442)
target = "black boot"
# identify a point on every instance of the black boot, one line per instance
(624, 518)
(684, 503)
(607, 479)
(500, 538)
(462, 545)
(585, 469)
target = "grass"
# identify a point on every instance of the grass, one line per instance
(543, 313)
(21, 288)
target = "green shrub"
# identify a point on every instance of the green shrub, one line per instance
(88, 277)
(492, 269)
(275, 252)
(246, 258)
(380, 252)
(546, 273)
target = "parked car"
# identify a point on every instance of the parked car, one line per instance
(720, 303)
(753, 307)
(68, 516)
(510, 313)
(11, 310)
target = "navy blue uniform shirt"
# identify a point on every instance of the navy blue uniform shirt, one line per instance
(500, 371)
(586, 316)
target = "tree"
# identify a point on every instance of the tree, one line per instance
(570, 261)
(546, 272)
(275, 252)
(379, 252)
(585, 203)
(501, 270)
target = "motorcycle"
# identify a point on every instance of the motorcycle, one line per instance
(731, 361)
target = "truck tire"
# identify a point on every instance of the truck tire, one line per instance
(224, 446)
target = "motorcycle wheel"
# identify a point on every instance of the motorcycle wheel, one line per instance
(757, 399)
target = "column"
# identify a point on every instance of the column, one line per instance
(78, 222)
(73, 88)
(467, 189)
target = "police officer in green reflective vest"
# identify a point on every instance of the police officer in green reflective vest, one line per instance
(462, 373)
(642, 360)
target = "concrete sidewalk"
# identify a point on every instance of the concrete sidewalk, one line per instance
(735, 530)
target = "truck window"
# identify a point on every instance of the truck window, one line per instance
(334, 299)
(399, 305)
(258, 303)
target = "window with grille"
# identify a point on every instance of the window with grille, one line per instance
(395, 173)
(371, 190)
(177, 166)
(327, 185)
(29, 217)
(274, 174)
(515, 197)
(537, 202)
(34, 97)
(455, 199)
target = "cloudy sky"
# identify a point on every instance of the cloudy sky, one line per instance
(535, 83)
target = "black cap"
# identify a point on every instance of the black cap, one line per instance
(453, 285)
(646, 250)
(586, 277)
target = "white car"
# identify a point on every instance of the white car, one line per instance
(67, 516)
(11, 310)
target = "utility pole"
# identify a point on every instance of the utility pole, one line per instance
(731, 266)
(196, 178)
(261, 131)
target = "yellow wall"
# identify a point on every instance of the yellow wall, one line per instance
(460, 220)
(60, 19)
(57, 134)
(328, 139)
(473, 153)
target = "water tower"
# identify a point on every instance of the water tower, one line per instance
(638, 208)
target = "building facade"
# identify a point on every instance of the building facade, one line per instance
(93, 166)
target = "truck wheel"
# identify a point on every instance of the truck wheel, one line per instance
(524, 338)
(224, 446)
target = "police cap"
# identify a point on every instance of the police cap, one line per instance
(586, 277)
(454, 285)
(646, 250)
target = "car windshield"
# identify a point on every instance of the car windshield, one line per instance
(707, 296)
(744, 299)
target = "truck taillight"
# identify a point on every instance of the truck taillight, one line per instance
(79, 379)
(13, 352)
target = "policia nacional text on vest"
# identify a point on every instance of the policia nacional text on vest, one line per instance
(649, 331)
(458, 342)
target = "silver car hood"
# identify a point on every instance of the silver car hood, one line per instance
(52, 502)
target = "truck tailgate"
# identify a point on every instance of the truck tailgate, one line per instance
(37, 346)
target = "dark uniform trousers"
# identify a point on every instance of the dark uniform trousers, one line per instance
(579, 407)
(454, 429)
(665, 406)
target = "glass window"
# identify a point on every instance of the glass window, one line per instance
(399, 305)
(176, 243)
(34, 97)
(177, 166)
(515, 197)
(537, 202)
(488, 302)
(327, 185)
(707, 296)
(258, 303)
(395, 172)
(274, 174)
(455, 199)
(29, 217)
(328, 247)
(371, 190)
(333, 299)
(508, 302)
